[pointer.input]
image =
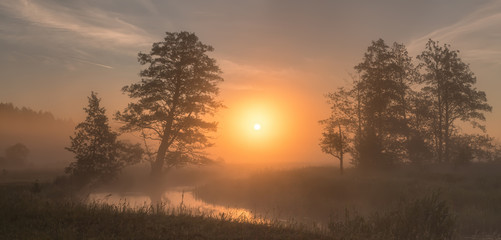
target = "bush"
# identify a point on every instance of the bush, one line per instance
(427, 218)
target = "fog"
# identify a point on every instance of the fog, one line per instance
(291, 194)
(44, 136)
(250, 120)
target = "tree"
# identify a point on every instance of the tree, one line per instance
(382, 91)
(334, 139)
(178, 89)
(394, 112)
(419, 145)
(450, 83)
(474, 147)
(99, 155)
(16, 155)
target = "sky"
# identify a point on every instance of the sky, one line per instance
(279, 57)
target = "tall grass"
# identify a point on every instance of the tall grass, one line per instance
(428, 218)
(472, 192)
(26, 214)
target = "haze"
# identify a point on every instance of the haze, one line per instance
(278, 58)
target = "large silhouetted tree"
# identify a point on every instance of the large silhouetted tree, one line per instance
(450, 84)
(382, 94)
(99, 155)
(178, 89)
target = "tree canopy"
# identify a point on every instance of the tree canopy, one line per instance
(395, 112)
(450, 84)
(177, 91)
(99, 155)
(15, 156)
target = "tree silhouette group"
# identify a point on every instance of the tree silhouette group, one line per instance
(396, 111)
(177, 90)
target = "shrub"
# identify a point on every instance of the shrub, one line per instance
(427, 218)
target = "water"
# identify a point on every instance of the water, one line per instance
(176, 199)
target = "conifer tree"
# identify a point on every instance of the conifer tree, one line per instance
(99, 155)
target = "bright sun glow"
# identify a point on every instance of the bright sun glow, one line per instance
(260, 129)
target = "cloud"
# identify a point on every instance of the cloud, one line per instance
(92, 63)
(239, 76)
(98, 28)
(477, 35)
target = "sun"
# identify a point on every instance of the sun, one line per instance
(257, 126)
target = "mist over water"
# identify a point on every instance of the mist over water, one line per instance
(261, 120)
(179, 199)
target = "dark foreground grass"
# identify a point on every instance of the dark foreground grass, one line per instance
(25, 213)
(472, 194)
(406, 204)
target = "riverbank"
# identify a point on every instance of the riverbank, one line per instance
(28, 214)
(308, 203)
(317, 194)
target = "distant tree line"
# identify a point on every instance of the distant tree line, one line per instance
(26, 113)
(399, 111)
(39, 130)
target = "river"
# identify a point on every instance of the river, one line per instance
(175, 200)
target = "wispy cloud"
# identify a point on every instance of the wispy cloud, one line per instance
(96, 26)
(247, 77)
(92, 63)
(477, 34)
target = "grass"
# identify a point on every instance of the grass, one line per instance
(427, 218)
(472, 193)
(28, 214)
(438, 202)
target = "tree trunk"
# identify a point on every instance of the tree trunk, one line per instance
(341, 150)
(447, 132)
(440, 124)
(157, 166)
(341, 170)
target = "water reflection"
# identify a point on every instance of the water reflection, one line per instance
(176, 199)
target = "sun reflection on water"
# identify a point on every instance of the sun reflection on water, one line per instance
(177, 201)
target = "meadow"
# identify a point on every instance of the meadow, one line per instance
(28, 213)
(468, 196)
(434, 202)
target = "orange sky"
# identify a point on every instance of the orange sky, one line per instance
(288, 130)
(279, 58)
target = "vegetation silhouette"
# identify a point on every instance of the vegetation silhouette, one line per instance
(177, 91)
(99, 155)
(16, 156)
(334, 140)
(45, 136)
(395, 112)
(450, 84)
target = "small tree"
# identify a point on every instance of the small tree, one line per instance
(99, 156)
(334, 139)
(177, 90)
(16, 155)
(334, 142)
